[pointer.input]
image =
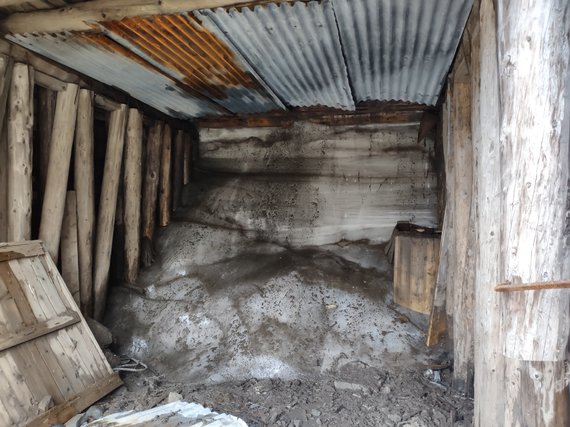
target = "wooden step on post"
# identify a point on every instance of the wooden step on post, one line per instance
(85, 194)
(165, 177)
(19, 165)
(133, 188)
(107, 207)
(150, 192)
(58, 171)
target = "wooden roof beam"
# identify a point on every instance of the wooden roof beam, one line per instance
(78, 16)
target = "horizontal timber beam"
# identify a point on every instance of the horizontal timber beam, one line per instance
(79, 16)
(536, 286)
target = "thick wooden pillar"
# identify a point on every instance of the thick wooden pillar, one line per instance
(165, 194)
(533, 76)
(150, 192)
(20, 126)
(133, 188)
(85, 195)
(107, 207)
(58, 170)
(178, 169)
(6, 66)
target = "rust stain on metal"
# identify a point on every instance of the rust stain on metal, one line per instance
(180, 43)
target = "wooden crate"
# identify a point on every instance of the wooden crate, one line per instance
(416, 261)
(46, 347)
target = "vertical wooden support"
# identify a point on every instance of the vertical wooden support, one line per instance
(165, 177)
(133, 187)
(489, 362)
(107, 207)
(187, 158)
(45, 117)
(58, 170)
(85, 194)
(6, 66)
(150, 192)
(20, 126)
(178, 166)
(69, 256)
(534, 118)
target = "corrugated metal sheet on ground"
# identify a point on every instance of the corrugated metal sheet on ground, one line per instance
(295, 48)
(180, 47)
(400, 49)
(98, 57)
(173, 414)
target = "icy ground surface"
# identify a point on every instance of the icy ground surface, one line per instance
(277, 336)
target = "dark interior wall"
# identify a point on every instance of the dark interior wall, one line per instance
(315, 184)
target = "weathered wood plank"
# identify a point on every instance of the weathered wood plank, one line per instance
(85, 195)
(107, 208)
(58, 170)
(20, 123)
(133, 193)
(9, 251)
(165, 185)
(6, 65)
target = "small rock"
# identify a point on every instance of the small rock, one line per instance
(315, 413)
(112, 358)
(345, 386)
(174, 397)
(102, 335)
(45, 404)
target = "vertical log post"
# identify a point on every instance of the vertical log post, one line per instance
(6, 66)
(47, 100)
(20, 126)
(58, 171)
(85, 195)
(150, 192)
(133, 188)
(69, 256)
(178, 166)
(187, 158)
(165, 177)
(107, 207)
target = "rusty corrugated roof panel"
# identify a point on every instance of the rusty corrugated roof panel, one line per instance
(180, 47)
(295, 48)
(400, 49)
(100, 58)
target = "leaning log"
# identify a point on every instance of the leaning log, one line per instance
(58, 170)
(107, 207)
(178, 169)
(165, 177)
(69, 257)
(6, 66)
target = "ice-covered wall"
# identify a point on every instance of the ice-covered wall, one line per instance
(314, 184)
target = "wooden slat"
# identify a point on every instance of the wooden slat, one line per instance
(37, 330)
(9, 251)
(536, 286)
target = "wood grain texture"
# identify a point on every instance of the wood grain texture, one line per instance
(133, 193)
(107, 208)
(165, 186)
(58, 171)
(19, 159)
(85, 195)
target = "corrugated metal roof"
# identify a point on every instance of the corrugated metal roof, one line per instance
(102, 59)
(400, 49)
(295, 49)
(172, 414)
(180, 47)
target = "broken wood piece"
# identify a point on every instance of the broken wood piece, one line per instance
(535, 286)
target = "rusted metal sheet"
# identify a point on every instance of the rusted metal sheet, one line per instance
(180, 47)
(295, 48)
(102, 59)
(400, 49)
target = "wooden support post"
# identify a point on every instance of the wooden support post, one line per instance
(165, 177)
(69, 256)
(20, 126)
(6, 66)
(150, 192)
(45, 117)
(178, 166)
(58, 170)
(187, 158)
(133, 188)
(85, 194)
(107, 207)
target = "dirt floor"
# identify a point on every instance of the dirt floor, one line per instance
(278, 336)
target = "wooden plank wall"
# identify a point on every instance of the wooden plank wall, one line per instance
(76, 228)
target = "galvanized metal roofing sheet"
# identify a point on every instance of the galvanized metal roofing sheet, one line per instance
(100, 58)
(180, 47)
(400, 49)
(295, 48)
